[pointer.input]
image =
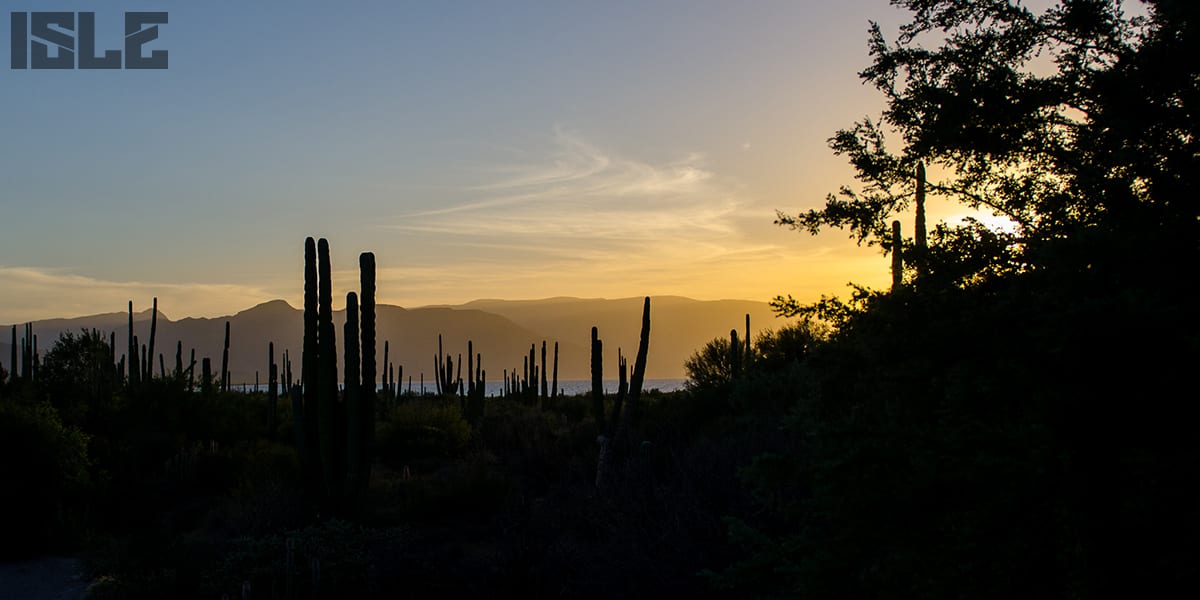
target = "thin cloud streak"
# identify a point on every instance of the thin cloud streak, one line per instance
(582, 220)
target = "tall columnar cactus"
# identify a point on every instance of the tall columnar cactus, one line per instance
(626, 401)
(533, 375)
(206, 377)
(747, 341)
(178, 361)
(192, 371)
(335, 447)
(735, 355)
(225, 361)
(470, 367)
(545, 382)
(387, 369)
(153, 335)
(134, 368)
(12, 368)
(330, 438)
(639, 366)
(897, 257)
(554, 384)
(366, 425)
(272, 389)
(597, 378)
(608, 432)
(353, 398)
(308, 372)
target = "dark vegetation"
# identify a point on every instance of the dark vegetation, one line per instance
(1013, 418)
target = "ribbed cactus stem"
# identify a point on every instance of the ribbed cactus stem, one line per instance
(597, 378)
(554, 384)
(134, 372)
(639, 366)
(272, 389)
(309, 361)
(225, 361)
(153, 335)
(747, 336)
(328, 434)
(353, 395)
(206, 377)
(735, 359)
(367, 338)
(545, 381)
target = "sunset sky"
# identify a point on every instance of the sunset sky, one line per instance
(481, 150)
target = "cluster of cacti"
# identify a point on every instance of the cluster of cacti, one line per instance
(390, 391)
(532, 384)
(920, 241)
(473, 401)
(445, 377)
(28, 353)
(626, 402)
(335, 447)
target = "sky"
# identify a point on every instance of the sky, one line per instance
(510, 150)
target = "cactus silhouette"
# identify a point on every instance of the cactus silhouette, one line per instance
(554, 384)
(272, 389)
(153, 334)
(639, 364)
(366, 424)
(597, 378)
(225, 361)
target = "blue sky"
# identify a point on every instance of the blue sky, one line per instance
(480, 149)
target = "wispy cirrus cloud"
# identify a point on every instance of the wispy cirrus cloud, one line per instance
(581, 193)
(579, 219)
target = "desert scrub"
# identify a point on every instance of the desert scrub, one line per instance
(330, 559)
(44, 474)
(422, 429)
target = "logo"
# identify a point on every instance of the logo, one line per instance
(73, 35)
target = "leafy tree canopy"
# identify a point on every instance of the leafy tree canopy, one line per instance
(1077, 123)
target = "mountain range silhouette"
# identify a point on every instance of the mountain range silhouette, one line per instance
(502, 331)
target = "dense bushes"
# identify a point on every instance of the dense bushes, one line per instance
(422, 429)
(43, 475)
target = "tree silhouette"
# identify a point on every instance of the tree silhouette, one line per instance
(1077, 124)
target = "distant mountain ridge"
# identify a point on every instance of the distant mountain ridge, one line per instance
(502, 331)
